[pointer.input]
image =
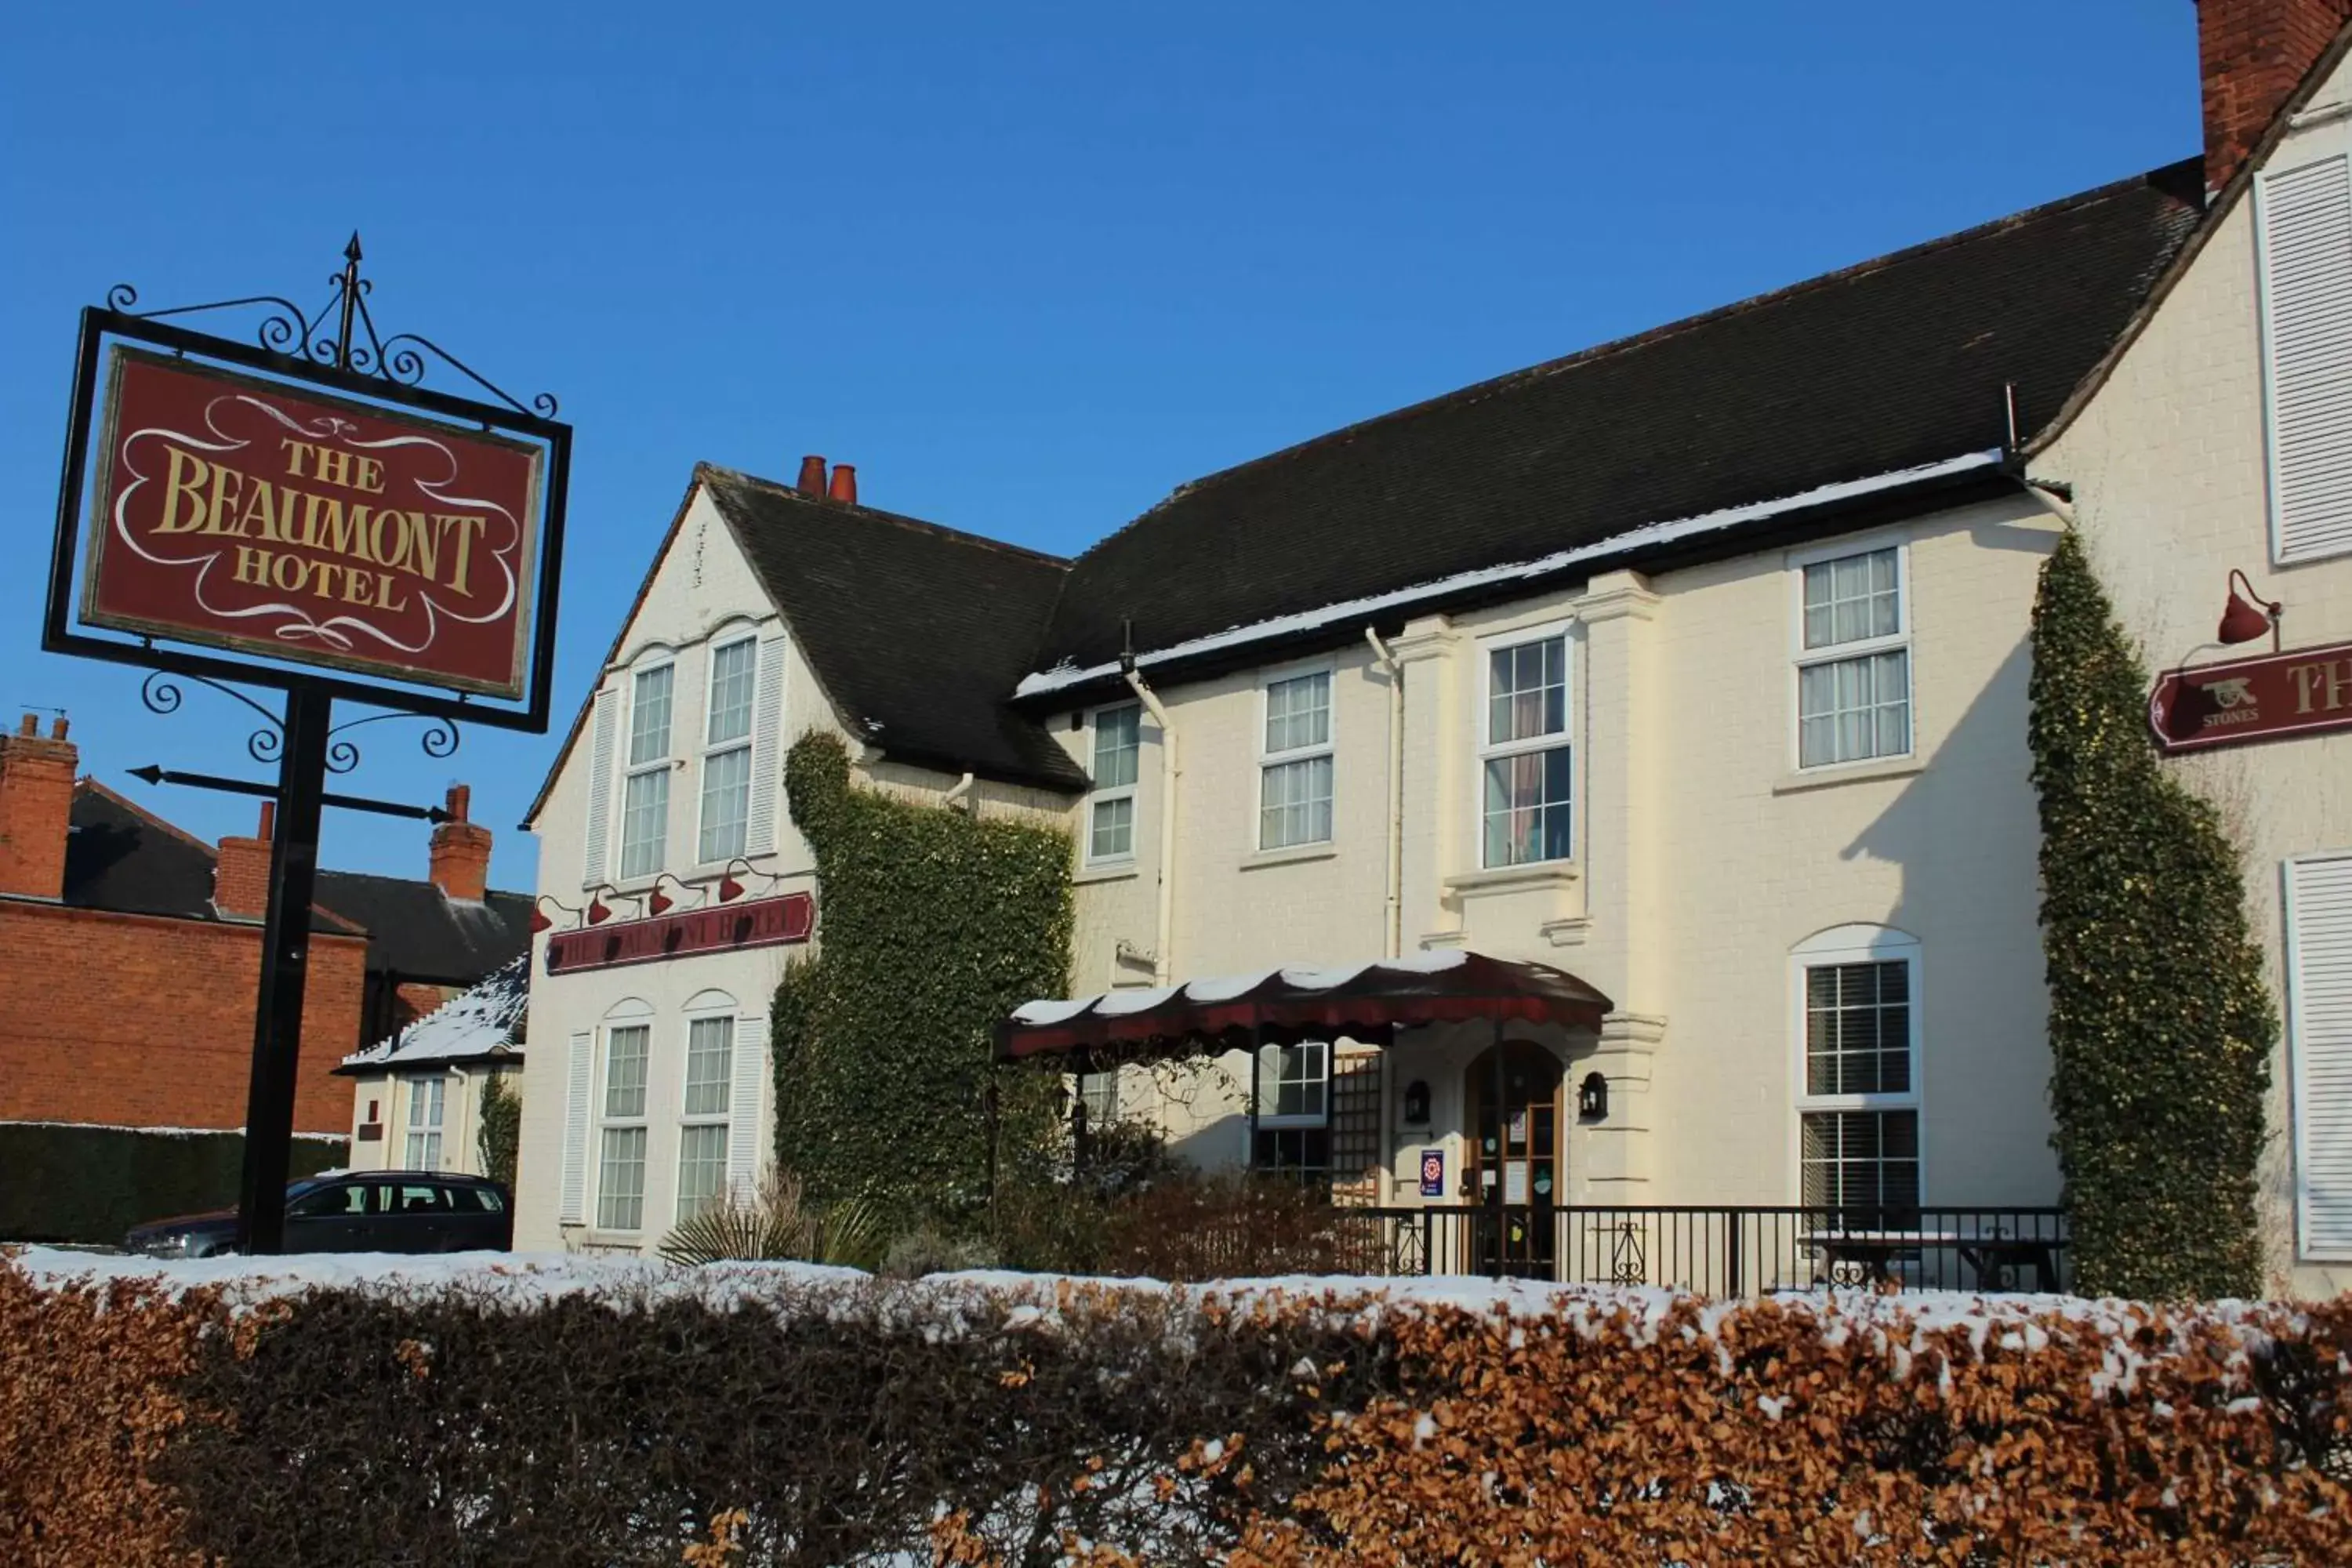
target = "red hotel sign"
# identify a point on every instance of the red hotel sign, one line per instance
(248, 515)
(764, 922)
(2300, 693)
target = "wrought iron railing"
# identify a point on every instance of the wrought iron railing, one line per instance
(1717, 1250)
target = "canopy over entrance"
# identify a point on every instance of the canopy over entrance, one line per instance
(1361, 1001)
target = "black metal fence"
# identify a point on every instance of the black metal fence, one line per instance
(1717, 1250)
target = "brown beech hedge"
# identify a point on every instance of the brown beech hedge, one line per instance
(602, 1414)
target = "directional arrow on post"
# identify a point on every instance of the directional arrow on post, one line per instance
(160, 775)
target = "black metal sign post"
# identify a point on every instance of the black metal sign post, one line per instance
(294, 350)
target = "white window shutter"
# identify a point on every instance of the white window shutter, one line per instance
(2320, 1017)
(751, 1065)
(578, 1092)
(2306, 241)
(600, 788)
(767, 747)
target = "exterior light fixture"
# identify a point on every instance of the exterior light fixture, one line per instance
(1417, 1104)
(659, 902)
(729, 890)
(541, 921)
(2247, 618)
(1592, 1097)
(599, 911)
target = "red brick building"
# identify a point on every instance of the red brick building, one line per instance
(129, 954)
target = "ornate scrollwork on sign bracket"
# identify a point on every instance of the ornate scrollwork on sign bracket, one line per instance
(331, 335)
(160, 693)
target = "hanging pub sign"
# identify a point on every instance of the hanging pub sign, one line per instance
(2266, 698)
(298, 510)
(253, 516)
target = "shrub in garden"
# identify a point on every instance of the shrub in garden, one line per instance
(777, 1223)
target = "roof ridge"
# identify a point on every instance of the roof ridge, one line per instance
(414, 883)
(1664, 330)
(921, 525)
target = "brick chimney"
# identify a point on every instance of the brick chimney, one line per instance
(461, 851)
(241, 872)
(2253, 54)
(36, 786)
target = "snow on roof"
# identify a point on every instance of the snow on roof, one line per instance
(486, 1020)
(1067, 674)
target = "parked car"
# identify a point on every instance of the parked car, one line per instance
(356, 1211)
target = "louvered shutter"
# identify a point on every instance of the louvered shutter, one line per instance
(599, 787)
(2307, 239)
(767, 745)
(2319, 1014)
(751, 1066)
(579, 1089)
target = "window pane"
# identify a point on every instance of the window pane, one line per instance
(1117, 734)
(1099, 1092)
(726, 804)
(1855, 708)
(1112, 836)
(1853, 598)
(1294, 806)
(423, 1151)
(644, 822)
(709, 1056)
(1294, 1080)
(1526, 691)
(734, 671)
(1528, 812)
(621, 1183)
(1299, 712)
(1858, 1028)
(649, 716)
(624, 1071)
(701, 1168)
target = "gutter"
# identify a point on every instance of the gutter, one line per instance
(1170, 772)
(1392, 939)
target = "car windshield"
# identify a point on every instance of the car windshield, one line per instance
(296, 1189)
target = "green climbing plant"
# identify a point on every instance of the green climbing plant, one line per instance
(2160, 1026)
(933, 925)
(500, 1128)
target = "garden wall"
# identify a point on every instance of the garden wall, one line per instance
(65, 1183)
(362, 1411)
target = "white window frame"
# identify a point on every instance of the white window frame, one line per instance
(606, 1121)
(1842, 945)
(710, 751)
(1127, 791)
(2299, 1088)
(1261, 1086)
(666, 763)
(1570, 734)
(707, 1009)
(1267, 760)
(1097, 1091)
(1801, 658)
(432, 1132)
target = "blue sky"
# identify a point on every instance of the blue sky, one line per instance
(1028, 267)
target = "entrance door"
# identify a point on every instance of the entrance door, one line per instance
(1515, 1153)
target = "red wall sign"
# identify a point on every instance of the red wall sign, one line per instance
(2299, 692)
(251, 515)
(764, 922)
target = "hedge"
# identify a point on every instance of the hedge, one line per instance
(61, 1183)
(613, 1413)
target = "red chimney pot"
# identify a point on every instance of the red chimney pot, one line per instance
(812, 476)
(844, 483)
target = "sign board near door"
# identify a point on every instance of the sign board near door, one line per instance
(1432, 1172)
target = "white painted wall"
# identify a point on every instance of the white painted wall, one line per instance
(2170, 472)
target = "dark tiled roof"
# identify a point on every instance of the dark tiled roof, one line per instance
(917, 632)
(418, 933)
(121, 857)
(1891, 364)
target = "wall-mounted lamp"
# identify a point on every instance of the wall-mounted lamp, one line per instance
(2246, 617)
(730, 888)
(660, 903)
(541, 921)
(1417, 1104)
(599, 911)
(1592, 1097)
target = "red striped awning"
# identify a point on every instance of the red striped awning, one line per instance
(1359, 1000)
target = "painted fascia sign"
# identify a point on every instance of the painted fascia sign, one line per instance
(2268, 697)
(253, 515)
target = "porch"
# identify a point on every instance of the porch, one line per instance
(1475, 1084)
